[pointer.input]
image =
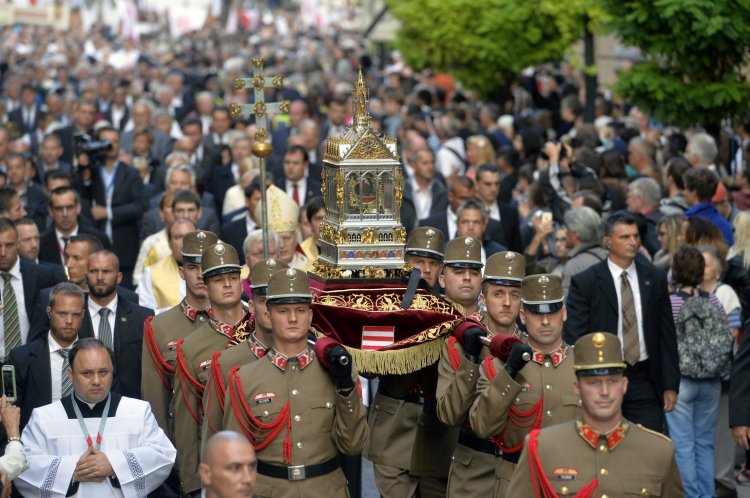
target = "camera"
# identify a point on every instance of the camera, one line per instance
(96, 150)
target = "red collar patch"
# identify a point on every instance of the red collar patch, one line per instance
(556, 356)
(256, 347)
(192, 313)
(613, 437)
(303, 359)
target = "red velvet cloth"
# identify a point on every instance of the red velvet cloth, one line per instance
(340, 310)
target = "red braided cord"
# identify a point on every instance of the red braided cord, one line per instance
(195, 387)
(537, 471)
(453, 353)
(518, 418)
(164, 369)
(221, 389)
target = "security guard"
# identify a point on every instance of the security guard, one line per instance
(161, 333)
(600, 454)
(526, 393)
(396, 410)
(228, 326)
(297, 412)
(252, 349)
(472, 470)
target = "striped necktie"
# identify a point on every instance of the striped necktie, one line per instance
(630, 342)
(105, 331)
(10, 312)
(66, 385)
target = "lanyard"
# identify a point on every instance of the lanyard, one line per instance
(102, 423)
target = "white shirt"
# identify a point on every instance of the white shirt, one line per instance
(61, 242)
(422, 199)
(494, 210)
(16, 282)
(452, 224)
(250, 225)
(55, 365)
(301, 189)
(117, 114)
(96, 318)
(616, 272)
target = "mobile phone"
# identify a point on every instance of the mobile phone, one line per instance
(9, 383)
(546, 217)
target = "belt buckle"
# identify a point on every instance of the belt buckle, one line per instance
(296, 473)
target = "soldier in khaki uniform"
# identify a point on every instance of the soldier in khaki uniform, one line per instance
(227, 327)
(297, 413)
(396, 410)
(474, 459)
(254, 348)
(525, 394)
(161, 333)
(599, 454)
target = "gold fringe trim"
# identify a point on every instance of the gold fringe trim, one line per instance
(395, 362)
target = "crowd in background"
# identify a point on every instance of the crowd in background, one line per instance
(521, 171)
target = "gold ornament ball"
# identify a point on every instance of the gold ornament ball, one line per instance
(262, 149)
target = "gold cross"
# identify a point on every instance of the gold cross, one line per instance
(260, 108)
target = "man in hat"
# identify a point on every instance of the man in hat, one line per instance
(283, 217)
(254, 348)
(474, 459)
(600, 453)
(227, 326)
(161, 286)
(398, 404)
(297, 412)
(160, 334)
(522, 394)
(424, 251)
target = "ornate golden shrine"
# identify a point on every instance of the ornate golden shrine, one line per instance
(362, 186)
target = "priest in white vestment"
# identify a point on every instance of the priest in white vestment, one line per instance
(93, 443)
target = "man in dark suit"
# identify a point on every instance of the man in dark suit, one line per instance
(28, 247)
(64, 210)
(488, 191)
(116, 192)
(141, 114)
(204, 155)
(84, 116)
(20, 283)
(460, 190)
(297, 181)
(50, 152)
(41, 363)
(472, 219)
(235, 232)
(118, 112)
(115, 321)
(26, 116)
(627, 296)
(424, 195)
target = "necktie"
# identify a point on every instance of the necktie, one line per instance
(105, 332)
(65, 246)
(66, 385)
(295, 194)
(630, 343)
(10, 310)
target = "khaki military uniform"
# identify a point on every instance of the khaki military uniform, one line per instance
(506, 409)
(472, 472)
(194, 354)
(213, 398)
(628, 461)
(291, 412)
(159, 354)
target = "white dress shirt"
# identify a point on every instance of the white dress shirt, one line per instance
(96, 318)
(117, 114)
(16, 282)
(616, 272)
(301, 189)
(422, 199)
(61, 242)
(452, 224)
(55, 365)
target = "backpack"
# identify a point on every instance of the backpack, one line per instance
(704, 341)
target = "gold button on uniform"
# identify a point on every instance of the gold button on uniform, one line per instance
(297, 418)
(644, 492)
(603, 472)
(603, 448)
(564, 490)
(295, 392)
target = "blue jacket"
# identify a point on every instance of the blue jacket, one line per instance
(708, 210)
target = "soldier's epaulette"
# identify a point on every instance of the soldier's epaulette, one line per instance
(646, 429)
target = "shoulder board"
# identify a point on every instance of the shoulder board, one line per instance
(659, 434)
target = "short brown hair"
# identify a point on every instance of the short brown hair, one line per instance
(702, 181)
(688, 266)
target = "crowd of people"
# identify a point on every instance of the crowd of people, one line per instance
(131, 248)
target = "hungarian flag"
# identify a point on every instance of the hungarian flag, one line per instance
(375, 338)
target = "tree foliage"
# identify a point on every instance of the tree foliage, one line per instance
(694, 51)
(484, 43)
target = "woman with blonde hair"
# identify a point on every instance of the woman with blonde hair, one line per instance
(479, 151)
(669, 231)
(741, 238)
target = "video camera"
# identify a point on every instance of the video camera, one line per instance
(96, 150)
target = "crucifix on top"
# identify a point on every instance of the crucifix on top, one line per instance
(260, 108)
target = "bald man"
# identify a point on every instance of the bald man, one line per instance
(227, 468)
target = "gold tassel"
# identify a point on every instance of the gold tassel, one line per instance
(395, 362)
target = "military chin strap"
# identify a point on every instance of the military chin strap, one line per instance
(411, 288)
